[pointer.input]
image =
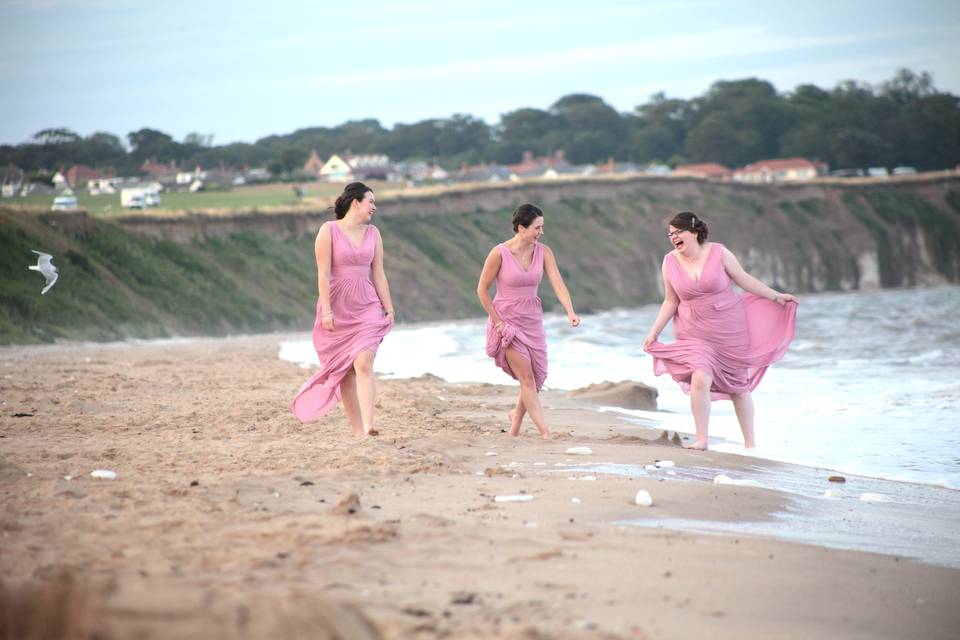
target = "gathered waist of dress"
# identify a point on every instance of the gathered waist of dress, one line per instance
(725, 298)
(350, 272)
(515, 293)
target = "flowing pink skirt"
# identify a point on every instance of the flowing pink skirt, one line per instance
(523, 332)
(359, 325)
(734, 342)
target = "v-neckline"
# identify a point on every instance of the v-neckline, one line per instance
(517, 260)
(702, 269)
(362, 239)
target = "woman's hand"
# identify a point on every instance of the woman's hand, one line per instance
(573, 319)
(390, 315)
(327, 320)
(499, 325)
(784, 298)
(650, 339)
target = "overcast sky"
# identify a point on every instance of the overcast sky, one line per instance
(241, 71)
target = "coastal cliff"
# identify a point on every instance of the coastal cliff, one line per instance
(217, 273)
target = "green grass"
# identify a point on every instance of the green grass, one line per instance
(114, 284)
(953, 199)
(244, 197)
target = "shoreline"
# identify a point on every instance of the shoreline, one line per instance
(224, 520)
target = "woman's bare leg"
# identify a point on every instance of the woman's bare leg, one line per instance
(700, 407)
(528, 390)
(366, 390)
(516, 415)
(743, 405)
(351, 405)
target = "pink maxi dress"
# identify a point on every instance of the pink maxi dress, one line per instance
(520, 308)
(733, 338)
(359, 323)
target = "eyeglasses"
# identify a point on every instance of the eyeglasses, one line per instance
(674, 234)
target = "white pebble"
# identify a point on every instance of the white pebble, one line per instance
(831, 493)
(650, 467)
(579, 451)
(492, 453)
(874, 497)
(663, 464)
(588, 477)
(644, 499)
(575, 500)
(104, 474)
(68, 478)
(520, 498)
(539, 464)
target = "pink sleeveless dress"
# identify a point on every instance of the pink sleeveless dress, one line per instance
(359, 323)
(733, 338)
(519, 306)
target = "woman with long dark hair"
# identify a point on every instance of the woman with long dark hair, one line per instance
(354, 313)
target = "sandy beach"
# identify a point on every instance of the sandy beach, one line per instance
(229, 519)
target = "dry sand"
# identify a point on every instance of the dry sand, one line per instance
(223, 520)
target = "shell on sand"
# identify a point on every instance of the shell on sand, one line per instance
(643, 498)
(579, 451)
(518, 498)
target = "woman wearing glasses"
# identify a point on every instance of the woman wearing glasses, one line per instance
(724, 341)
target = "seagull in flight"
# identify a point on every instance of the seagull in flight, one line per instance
(45, 267)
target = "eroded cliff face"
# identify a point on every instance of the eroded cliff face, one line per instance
(245, 272)
(803, 237)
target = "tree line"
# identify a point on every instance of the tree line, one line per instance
(903, 121)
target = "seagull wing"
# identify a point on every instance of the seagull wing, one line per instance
(45, 266)
(50, 280)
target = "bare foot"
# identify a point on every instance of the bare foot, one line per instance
(546, 435)
(371, 432)
(699, 445)
(514, 425)
(749, 445)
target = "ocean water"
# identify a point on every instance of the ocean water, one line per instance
(870, 385)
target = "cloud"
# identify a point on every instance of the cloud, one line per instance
(707, 46)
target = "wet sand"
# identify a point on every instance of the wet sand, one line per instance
(224, 522)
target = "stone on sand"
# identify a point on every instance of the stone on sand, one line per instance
(348, 506)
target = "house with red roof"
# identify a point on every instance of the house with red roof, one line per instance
(781, 170)
(76, 176)
(711, 170)
(314, 164)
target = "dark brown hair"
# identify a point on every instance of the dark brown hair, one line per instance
(525, 215)
(353, 191)
(687, 221)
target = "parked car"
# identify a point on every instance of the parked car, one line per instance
(904, 171)
(847, 173)
(139, 198)
(878, 172)
(64, 203)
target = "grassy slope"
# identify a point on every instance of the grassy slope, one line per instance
(115, 284)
